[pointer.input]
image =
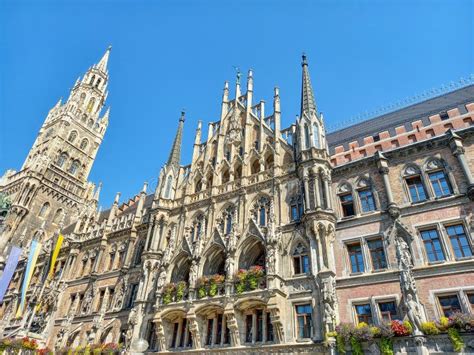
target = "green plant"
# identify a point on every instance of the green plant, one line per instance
(386, 346)
(456, 340)
(356, 346)
(180, 289)
(168, 292)
(429, 328)
(340, 344)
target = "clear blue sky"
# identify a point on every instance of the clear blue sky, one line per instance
(172, 54)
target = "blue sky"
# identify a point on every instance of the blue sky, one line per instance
(169, 55)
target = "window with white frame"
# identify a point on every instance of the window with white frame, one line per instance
(415, 185)
(366, 196)
(433, 245)
(438, 178)
(459, 241)
(356, 257)
(377, 253)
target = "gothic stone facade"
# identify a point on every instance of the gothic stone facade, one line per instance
(266, 241)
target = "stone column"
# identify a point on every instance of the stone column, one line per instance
(457, 148)
(382, 164)
(306, 193)
(327, 196)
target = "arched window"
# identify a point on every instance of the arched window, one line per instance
(72, 136)
(306, 136)
(438, 178)
(316, 136)
(415, 185)
(90, 106)
(169, 181)
(74, 167)
(225, 176)
(198, 186)
(44, 210)
(98, 82)
(92, 80)
(57, 215)
(269, 161)
(300, 260)
(82, 99)
(256, 166)
(347, 201)
(366, 196)
(84, 143)
(62, 159)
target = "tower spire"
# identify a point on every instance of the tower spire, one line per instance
(308, 104)
(175, 154)
(102, 65)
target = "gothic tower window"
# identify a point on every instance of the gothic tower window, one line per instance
(90, 106)
(316, 136)
(44, 210)
(62, 159)
(57, 215)
(72, 136)
(306, 136)
(82, 99)
(92, 80)
(74, 168)
(256, 166)
(225, 176)
(169, 181)
(84, 143)
(98, 82)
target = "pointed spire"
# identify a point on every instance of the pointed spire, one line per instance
(237, 84)
(308, 104)
(105, 117)
(97, 192)
(175, 154)
(102, 65)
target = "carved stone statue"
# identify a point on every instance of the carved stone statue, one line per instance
(194, 329)
(87, 302)
(193, 273)
(233, 329)
(414, 312)
(160, 336)
(229, 266)
(271, 261)
(161, 280)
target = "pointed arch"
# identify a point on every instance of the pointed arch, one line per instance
(43, 212)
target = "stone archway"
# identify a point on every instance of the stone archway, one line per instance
(215, 262)
(252, 253)
(181, 270)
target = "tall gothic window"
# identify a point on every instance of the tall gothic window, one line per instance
(306, 136)
(169, 181)
(57, 215)
(92, 80)
(316, 136)
(90, 106)
(44, 210)
(74, 168)
(84, 143)
(438, 178)
(62, 159)
(72, 136)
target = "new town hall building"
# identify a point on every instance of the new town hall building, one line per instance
(267, 240)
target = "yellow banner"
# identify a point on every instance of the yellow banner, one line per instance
(57, 248)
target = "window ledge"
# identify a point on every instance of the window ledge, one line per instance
(464, 258)
(379, 271)
(304, 340)
(436, 262)
(356, 273)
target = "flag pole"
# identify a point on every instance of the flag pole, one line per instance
(47, 278)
